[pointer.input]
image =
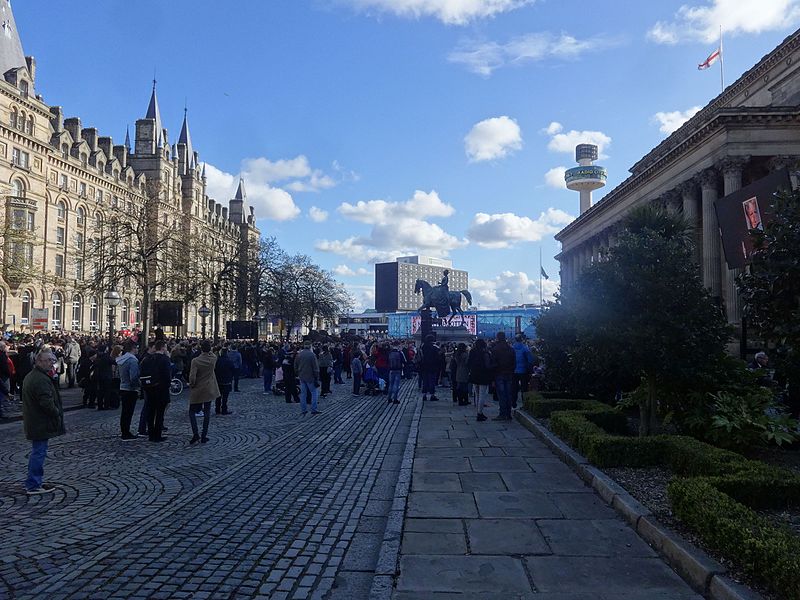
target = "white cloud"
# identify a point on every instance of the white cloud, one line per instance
(345, 271)
(421, 205)
(398, 228)
(492, 139)
(317, 214)
(484, 57)
(701, 23)
(670, 121)
(510, 288)
(451, 12)
(505, 229)
(565, 141)
(363, 296)
(555, 178)
(269, 202)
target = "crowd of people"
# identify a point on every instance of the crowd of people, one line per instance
(119, 374)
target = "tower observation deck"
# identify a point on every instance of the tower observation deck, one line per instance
(586, 177)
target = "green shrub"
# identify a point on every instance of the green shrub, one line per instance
(770, 554)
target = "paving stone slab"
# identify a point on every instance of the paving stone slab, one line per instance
(606, 537)
(433, 543)
(448, 505)
(542, 482)
(436, 482)
(582, 506)
(482, 482)
(473, 574)
(499, 464)
(454, 451)
(434, 525)
(441, 465)
(519, 505)
(506, 536)
(629, 575)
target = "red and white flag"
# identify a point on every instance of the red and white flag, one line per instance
(712, 58)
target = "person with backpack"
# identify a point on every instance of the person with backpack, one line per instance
(397, 363)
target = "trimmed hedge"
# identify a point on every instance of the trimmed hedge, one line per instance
(770, 553)
(714, 493)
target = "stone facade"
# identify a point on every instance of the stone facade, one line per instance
(62, 182)
(751, 129)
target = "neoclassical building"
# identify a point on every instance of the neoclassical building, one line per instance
(63, 182)
(750, 130)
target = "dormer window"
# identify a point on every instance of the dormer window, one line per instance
(64, 151)
(101, 166)
(84, 159)
(24, 87)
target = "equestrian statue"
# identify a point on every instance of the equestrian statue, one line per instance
(441, 298)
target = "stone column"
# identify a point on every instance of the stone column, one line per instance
(711, 250)
(732, 180)
(689, 199)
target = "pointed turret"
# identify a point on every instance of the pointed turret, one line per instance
(11, 54)
(186, 139)
(240, 193)
(128, 138)
(153, 112)
(236, 212)
(204, 171)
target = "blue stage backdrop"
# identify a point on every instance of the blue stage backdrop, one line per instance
(489, 322)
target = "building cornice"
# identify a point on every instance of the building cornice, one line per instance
(722, 119)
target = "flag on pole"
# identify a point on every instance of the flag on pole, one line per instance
(712, 58)
(544, 274)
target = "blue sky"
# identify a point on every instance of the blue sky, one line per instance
(368, 129)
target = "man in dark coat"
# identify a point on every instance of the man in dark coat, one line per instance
(505, 361)
(430, 363)
(158, 367)
(42, 417)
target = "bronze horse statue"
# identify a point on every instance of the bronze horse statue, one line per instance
(434, 297)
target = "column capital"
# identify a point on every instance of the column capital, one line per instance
(688, 187)
(776, 163)
(733, 165)
(709, 179)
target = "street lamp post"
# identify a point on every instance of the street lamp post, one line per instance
(204, 311)
(112, 298)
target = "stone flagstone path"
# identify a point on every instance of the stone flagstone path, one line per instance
(493, 514)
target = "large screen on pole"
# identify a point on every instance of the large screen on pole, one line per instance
(168, 313)
(749, 208)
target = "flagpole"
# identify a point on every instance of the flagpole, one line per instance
(721, 62)
(541, 294)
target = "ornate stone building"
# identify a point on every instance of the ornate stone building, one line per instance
(751, 129)
(63, 183)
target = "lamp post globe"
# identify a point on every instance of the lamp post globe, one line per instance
(112, 299)
(203, 311)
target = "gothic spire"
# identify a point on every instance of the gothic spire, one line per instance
(11, 54)
(186, 138)
(153, 112)
(240, 193)
(128, 138)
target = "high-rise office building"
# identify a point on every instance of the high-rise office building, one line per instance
(395, 281)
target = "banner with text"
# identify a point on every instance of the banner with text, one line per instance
(470, 322)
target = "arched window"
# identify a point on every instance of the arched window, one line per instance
(14, 116)
(98, 220)
(101, 167)
(94, 314)
(26, 308)
(21, 120)
(77, 313)
(81, 216)
(84, 159)
(61, 210)
(64, 150)
(18, 188)
(137, 307)
(57, 313)
(29, 126)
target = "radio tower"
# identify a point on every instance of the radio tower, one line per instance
(586, 177)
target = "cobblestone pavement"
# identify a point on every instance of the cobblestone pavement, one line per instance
(275, 506)
(494, 515)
